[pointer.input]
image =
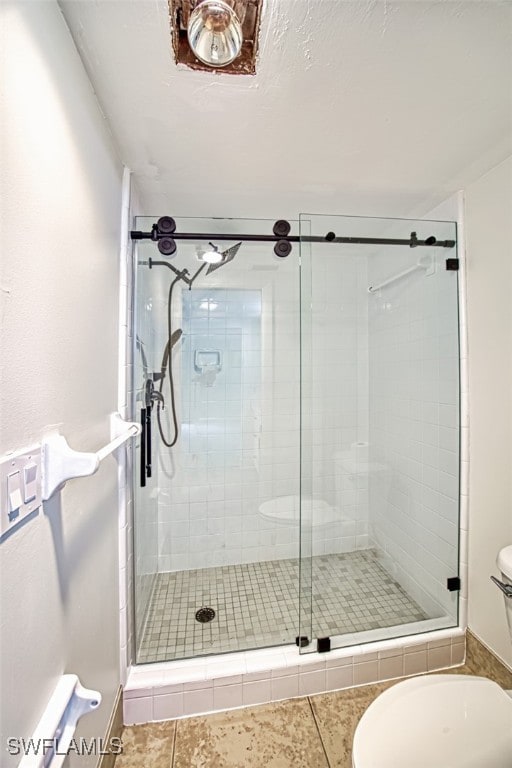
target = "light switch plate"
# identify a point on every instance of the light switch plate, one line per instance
(20, 487)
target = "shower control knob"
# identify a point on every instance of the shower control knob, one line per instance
(282, 248)
(167, 246)
(166, 225)
(281, 228)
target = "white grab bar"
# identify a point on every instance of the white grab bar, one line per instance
(52, 737)
(132, 431)
(61, 463)
(424, 263)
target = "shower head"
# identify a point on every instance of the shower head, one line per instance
(227, 256)
(176, 336)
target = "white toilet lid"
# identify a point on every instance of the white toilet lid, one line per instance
(439, 721)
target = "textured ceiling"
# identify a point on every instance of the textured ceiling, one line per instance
(357, 107)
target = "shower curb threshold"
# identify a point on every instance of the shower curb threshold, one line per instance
(175, 689)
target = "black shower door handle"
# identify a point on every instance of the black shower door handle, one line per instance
(143, 439)
(148, 441)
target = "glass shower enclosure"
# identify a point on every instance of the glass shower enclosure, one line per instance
(300, 482)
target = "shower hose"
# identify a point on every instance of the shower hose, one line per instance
(167, 363)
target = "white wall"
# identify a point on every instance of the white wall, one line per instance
(489, 276)
(60, 213)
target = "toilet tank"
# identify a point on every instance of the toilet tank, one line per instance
(504, 563)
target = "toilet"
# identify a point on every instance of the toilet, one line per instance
(440, 721)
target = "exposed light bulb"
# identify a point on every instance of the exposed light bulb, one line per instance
(215, 33)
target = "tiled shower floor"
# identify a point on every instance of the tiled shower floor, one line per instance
(257, 604)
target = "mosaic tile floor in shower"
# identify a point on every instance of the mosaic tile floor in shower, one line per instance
(256, 605)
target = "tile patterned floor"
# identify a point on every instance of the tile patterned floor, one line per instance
(257, 605)
(310, 732)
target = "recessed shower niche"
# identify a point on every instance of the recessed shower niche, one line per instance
(303, 418)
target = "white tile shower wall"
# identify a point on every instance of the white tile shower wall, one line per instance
(452, 209)
(337, 409)
(414, 426)
(239, 442)
(141, 576)
(233, 476)
(145, 500)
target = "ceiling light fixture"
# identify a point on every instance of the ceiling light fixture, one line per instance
(215, 32)
(214, 21)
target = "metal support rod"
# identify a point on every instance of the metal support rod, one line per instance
(412, 242)
(183, 274)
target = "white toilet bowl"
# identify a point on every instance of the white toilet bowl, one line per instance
(440, 721)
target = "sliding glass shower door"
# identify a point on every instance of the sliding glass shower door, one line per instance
(217, 520)
(297, 479)
(379, 429)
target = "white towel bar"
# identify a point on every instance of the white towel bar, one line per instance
(61, 463)
(425, 263)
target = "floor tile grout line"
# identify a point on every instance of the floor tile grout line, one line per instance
(319, 732)
(173, 755)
